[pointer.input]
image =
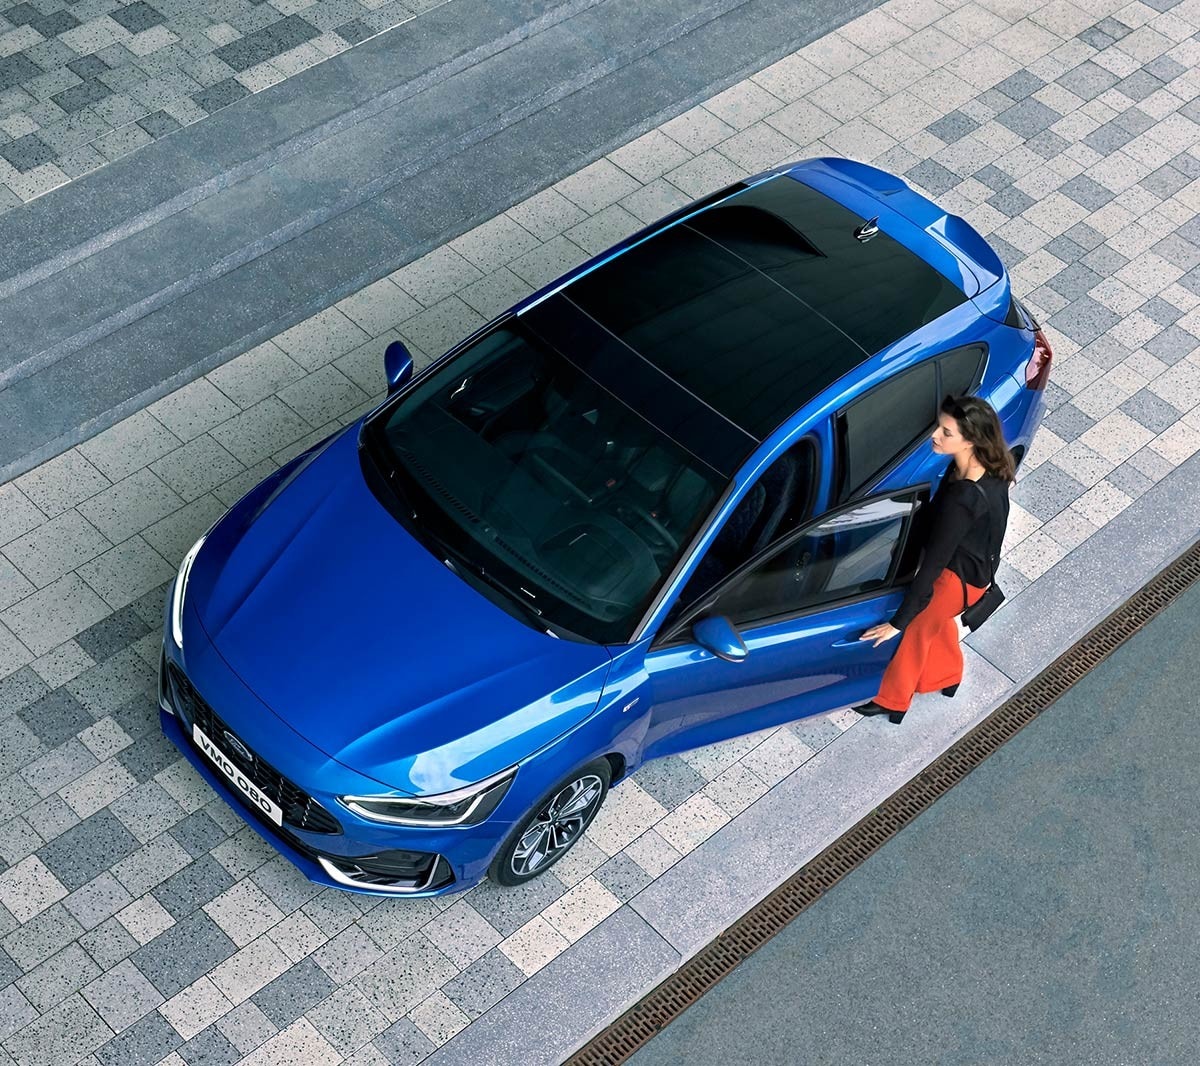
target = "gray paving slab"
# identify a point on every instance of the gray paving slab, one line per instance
(622, 954)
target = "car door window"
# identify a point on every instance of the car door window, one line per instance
(852, 552)
(773, 507)
(875, 429)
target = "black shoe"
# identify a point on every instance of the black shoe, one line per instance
(872, 708)
(950, 691)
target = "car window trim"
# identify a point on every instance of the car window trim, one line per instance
(916, 491)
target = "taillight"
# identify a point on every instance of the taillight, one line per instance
(1037, 370)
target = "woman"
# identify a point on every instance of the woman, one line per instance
(966, 530)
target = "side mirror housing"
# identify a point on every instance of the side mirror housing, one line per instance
(397, 364)
(718, 635)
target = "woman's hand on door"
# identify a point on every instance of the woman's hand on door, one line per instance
(880, 633)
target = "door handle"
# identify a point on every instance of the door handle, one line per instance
(847, 642)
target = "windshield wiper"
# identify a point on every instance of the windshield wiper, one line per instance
(394, 475)
(519, 599)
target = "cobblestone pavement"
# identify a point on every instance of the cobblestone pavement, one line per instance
(83, 82)
(142, 922)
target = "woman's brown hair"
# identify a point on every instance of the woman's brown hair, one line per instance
(979, 424)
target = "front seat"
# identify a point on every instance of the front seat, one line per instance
(732, 545)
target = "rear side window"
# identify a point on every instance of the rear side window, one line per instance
(1014, 317)
(960, 370)
(884, 423)
(875, 431)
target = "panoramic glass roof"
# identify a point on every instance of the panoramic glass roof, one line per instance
(756, 305)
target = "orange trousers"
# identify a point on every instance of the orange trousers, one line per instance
(928, 658)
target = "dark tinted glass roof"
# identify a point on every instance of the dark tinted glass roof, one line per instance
(759, 303)
(640, 385)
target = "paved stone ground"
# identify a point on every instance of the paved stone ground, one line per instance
(141, 922)
(83, 82)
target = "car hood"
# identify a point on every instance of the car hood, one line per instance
(370, 648)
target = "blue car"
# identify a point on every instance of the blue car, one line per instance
(651, 507)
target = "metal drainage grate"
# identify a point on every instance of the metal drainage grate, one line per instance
(634, 1028)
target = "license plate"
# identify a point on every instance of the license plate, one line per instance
(236, 778)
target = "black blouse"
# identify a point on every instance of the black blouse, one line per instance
(964, 529)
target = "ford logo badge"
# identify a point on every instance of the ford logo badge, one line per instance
(237, 747)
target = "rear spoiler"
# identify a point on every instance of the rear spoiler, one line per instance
(965, 256)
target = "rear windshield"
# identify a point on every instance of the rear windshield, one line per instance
(544, 485)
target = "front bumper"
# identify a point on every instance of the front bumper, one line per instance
(391, 871)
(429, 876)
(329, 843)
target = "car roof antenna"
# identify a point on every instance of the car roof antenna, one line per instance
(868, 229)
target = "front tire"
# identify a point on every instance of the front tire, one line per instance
(554, 825)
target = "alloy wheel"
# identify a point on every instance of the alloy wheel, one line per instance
(557, 825)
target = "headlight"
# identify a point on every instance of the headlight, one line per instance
(180, 590)
(464, 806)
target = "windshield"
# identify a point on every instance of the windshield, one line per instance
(545, 485)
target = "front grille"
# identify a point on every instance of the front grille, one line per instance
(300, 810)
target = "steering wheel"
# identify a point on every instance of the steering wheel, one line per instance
(667, 538)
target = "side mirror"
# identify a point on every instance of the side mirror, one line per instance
(397, 364)
(716, 634)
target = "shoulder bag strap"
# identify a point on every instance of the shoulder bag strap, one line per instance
(991, 559)
(991, 565)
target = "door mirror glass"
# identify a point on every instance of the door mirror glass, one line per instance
(397, 364)
(716, 634)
